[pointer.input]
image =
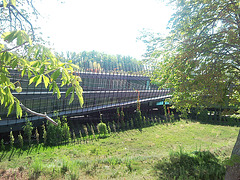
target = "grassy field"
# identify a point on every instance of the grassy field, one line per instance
(130, 154)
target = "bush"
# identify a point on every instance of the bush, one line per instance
(20, 140)
(58, 134)
(27, 129)
(196, 165)
(102, 127)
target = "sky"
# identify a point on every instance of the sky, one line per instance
(109, 26)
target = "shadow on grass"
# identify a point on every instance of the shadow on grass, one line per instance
(195, 165)
(224, 122)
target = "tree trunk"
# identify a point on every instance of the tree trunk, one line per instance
(233, 171)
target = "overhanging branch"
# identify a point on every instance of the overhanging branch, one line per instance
(38, 114)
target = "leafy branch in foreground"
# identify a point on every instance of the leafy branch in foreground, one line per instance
(40, 66)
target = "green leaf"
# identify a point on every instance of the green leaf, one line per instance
(51, 86)
(23, 72)
(18, 110)
(56, 89)
(46, 81)
(9, 36)
(13, 2)
(55, 75)
(74, 66)
(81, 101)
(29, 74)
(4, 3)
(39, 80)
(10, 108)
(68, 91)
(72, 97)
(31, 80)
(58, 93)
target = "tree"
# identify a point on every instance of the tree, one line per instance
(199, 59)
(17, 51)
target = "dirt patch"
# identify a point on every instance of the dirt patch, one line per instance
(10, 174)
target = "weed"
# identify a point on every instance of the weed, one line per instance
(129, 166)
(37, 168)
(65, 167)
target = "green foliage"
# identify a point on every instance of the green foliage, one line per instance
(37, 136)
(109, 128)
(74, 137)
(92, 131)
(199, 59)
(89, 129)
(114, 127)
(165, 112)
(44, 135)
(203, 115)
(172, 117)
(122, 120)
(195, 165)
(80, 135)
(20, 140)
(39, 64)
(27, 129)
(94, 61)
(102, 127)
(131, 123)
(58, 134)
(11, 139)
(85, 130)
(138, 118)
(2, 145)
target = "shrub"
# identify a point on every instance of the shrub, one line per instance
(122, 120)
(102, 127)
(109, 128)
(92, 131)
(114, 127)
(11, 139)
(80, 136)
(44, 135)
(65, 131)
(58, 134)
(74, 137)
(37, 136)
(27, 129)
(20, 140)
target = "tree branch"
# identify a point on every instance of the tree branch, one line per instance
(38, 114)
(13, 48)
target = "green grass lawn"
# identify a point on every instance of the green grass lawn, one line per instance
(126, 155)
